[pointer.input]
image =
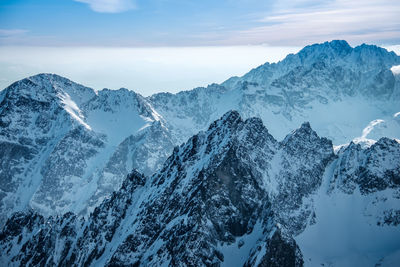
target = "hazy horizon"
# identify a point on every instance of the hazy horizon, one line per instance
(144, 70)
(173, 45)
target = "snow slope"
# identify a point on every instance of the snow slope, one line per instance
(233, 196)
(337, 88)
(357, 209)
(58, 136)
(66, 147)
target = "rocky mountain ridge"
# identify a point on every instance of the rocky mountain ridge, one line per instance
(231, 195)
(61, 139)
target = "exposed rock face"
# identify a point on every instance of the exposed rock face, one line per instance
(60, 140)
(373, 169)
(337, 88)
(65, 147)
(229, 196)
(276, 251)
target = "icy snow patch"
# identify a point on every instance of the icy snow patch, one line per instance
(235, 255)
(395, 70)
(346, 231)
(72, 108)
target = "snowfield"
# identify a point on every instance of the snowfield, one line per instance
(296, 162)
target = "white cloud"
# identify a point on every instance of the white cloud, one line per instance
(109, 6)
(11, 32)
(145, 70)
(8, 36)
(303, 22)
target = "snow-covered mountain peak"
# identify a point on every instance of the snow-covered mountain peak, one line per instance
(114, 101)
(49, 85)
(230, 119)
(226, 135)
(306, 137)
(53, 163)
(327, 50)
(386, 142)
(231, 125)
(230, 195)
(374, 51)
(371, 169)
(61, 139)
(49, 90)
(337, 53)
(30, 88)
(303, 132)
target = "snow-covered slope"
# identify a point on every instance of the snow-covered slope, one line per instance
(231, 196)
(58, 140)
(337, 88)
(357, 209)
(65, 147)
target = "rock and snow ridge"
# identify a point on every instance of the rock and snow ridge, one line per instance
(339, 89)
(66, 147)
(233, 194)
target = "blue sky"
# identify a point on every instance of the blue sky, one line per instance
(197, 23)
(125, 23)
(171, 45)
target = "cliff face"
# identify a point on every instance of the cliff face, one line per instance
(60, 139)
(230, 196)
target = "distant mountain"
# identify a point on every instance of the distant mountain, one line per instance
(66, 147)
(233, 196)
(337, 88)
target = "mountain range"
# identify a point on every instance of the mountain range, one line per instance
(233, 196)
(210, 186)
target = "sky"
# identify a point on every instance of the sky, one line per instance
(146, 70)
(141, 41)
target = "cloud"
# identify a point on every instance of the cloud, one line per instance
(11, 32)
(11, 36)
(304, 22)
(109, 6)
(146, 70)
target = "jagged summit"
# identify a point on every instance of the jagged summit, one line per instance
(341, 49)
(231, 116)
(229, 196)
(44, 80)
(375, 50)
(60, 139)
(333, 48)
(338, 50)
(338, 44)
(49, 76)
(306, 139)
(48, 88)
(304, 132)
(231, 119)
